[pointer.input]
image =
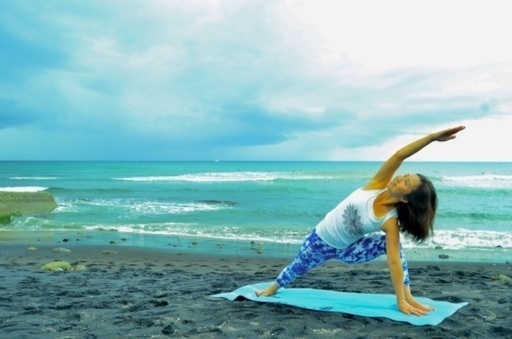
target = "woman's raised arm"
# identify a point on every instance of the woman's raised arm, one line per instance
(388, 169)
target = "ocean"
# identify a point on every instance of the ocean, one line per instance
(257, 208)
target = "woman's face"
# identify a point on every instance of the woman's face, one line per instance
(402, 185)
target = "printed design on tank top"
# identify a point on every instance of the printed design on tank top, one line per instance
(352, 220)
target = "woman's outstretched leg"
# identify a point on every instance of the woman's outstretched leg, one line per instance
(368, 248)
(314, 251)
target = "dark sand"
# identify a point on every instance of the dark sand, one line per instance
(143, 293)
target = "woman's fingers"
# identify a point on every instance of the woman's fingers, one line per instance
(408, 309)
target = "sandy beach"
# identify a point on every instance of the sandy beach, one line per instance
(123, 291)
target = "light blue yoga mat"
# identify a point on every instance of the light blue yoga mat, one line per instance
(367, 305)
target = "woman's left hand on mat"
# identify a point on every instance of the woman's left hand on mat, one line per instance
(405, 307)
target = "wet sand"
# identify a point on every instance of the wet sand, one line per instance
(150, 293)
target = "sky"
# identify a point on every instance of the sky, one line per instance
(253, 79)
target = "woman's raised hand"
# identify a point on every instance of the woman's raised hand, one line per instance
(447, 134)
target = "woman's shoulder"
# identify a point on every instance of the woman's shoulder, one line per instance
(369, 190)
(374, 186)
(363, 194)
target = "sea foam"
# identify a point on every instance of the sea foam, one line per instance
(23, 189)
(228, 177)
(493, 181)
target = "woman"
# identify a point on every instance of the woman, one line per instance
(351, 231)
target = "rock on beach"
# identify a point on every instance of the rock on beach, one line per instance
(25, 203)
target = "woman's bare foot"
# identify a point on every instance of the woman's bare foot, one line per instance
(267, 292)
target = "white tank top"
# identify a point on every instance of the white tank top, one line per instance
(352, 219)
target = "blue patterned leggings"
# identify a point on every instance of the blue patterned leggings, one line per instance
(315, 251)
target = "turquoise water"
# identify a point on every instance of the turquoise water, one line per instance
(272, 203)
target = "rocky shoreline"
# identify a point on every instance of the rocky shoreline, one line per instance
(144, 292)
(25, 203)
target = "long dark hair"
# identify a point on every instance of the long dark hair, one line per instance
(416, 217)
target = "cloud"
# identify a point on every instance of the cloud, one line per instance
(193, 80)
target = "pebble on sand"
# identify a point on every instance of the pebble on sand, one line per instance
(56, 266)
(502, 277)
(61, 250)
(59, 266)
